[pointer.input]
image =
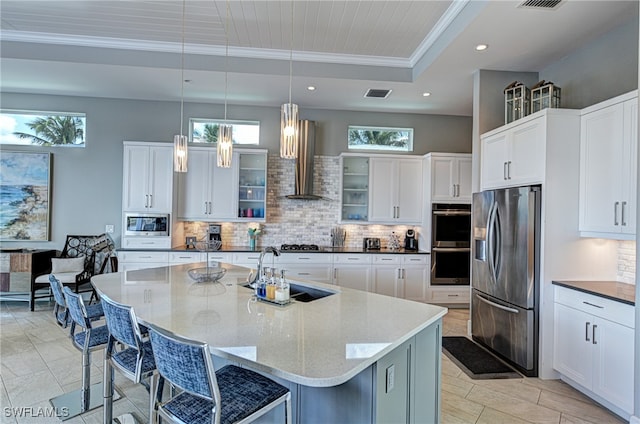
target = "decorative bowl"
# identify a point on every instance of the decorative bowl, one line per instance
(208, 246)
(205, 274)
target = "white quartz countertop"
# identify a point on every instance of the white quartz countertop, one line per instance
(321, 343)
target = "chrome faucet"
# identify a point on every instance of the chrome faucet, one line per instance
(269, 249)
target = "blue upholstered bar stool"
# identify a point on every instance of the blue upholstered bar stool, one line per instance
(88, 340)
(229, 395)
(60, 310)
(135, 361)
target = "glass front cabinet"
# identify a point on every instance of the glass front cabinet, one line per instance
(252, 187)
(355, 189)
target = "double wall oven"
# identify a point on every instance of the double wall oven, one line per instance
(450, 244)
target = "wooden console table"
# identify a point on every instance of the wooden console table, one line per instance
(18, 269)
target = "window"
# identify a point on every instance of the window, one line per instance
(42, 128)
(380, 138)
(206, 131)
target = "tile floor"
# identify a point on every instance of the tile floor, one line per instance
(38, 363)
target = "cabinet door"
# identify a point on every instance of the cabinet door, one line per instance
(415, 273)
(600, 169)
(409, 191)
(385, 280)
(572, 352)
(135, 178)
(224, 190)
(193, 195)
(160, 179)
(356, 277)
(494, 160)
(527, 154)
(464, 180)
(630, 167)
(442, 182)
(614, 360)
(383, 180)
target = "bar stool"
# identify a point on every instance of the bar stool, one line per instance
(60, 311)
(88, 340)
(229, 395)
(135, 361)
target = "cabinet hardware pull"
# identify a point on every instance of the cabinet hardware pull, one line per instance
(398, 212)
(303, 273)
(622, 217)
(593, 304)
(146, 200)
(615, 213)
(453, 295)
(205, 208)
(509, 170)
(586, 332)
(151, 200)
(504, 170)
(593, 333)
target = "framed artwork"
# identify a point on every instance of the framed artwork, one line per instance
(25, 194)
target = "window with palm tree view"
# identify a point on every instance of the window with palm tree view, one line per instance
(380, 138)
(42, 128)
(206, 131)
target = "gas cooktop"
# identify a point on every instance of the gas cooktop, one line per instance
(295, 247)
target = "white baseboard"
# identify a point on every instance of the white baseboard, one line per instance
(469, 327)
(634, 420)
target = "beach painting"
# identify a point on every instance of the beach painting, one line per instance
(24, 196)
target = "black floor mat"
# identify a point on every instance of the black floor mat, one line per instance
(474, 360)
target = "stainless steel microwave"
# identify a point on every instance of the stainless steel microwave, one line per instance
(146, 225)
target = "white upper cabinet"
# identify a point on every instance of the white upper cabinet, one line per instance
(450, 177)
(207, 192)
(514, 155)
(608, 168)
(147, 177)
(395, 190)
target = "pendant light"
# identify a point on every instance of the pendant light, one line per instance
(289, 114)
(225, 131)
(180, 141)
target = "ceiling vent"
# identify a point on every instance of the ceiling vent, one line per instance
(377, 93)
(540, 4)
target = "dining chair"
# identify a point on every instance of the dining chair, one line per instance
(134, 359)
(60, 310)
(228, 395)
(87, 340)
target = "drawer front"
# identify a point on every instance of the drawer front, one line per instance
(321, 274)
(415, 259)
(595, 305)
(387, 259)
(157, 257)
(247, 257)
(304, 258)
(218, 257)
(344, 258)
(146, 242)
(185, 257)
(449, 296)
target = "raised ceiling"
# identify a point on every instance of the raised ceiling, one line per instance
(131, 48)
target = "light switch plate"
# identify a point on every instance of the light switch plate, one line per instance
(109, 229)
(391, 376)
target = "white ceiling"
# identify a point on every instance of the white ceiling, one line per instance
(132, 48)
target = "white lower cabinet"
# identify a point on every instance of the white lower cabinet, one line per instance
(594, 346)
(132, 260)
(404, 276)
(306, 266)
(352, 271)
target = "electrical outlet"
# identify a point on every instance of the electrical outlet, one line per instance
(109, 229)
(391, 376)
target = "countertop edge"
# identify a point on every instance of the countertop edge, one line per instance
(576, 285)
(242, 249)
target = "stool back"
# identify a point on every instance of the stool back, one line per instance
(56, 289)
(76, 308)
(122, 322)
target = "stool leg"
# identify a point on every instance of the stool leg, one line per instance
(86, 382)
(107, 404)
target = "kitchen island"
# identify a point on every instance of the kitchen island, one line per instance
(350, 357)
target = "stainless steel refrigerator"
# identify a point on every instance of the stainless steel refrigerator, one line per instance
(505, 274)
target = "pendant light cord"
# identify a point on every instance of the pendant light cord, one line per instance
(291, 54)
(226, 61)
(184, 2)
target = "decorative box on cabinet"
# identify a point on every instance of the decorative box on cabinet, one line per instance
(207, 192)
(395, 190)
(450, 177)
(594, 346)
(608, 168)
(147, 183)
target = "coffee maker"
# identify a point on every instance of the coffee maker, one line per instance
(410, 240)
(215, 232)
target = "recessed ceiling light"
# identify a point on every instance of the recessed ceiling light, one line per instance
(426, 94)
(482, 47)
(311, 88)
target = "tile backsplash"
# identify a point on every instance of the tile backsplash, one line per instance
(299, 221)
(627, 262)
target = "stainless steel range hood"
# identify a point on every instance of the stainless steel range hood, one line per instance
(304, 162)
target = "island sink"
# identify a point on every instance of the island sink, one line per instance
(303, 293)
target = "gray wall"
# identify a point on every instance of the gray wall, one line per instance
(87, 182)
